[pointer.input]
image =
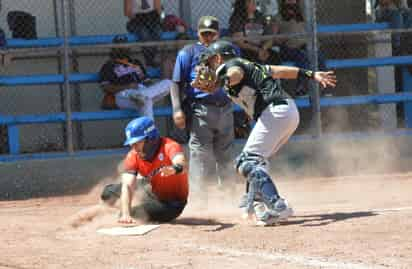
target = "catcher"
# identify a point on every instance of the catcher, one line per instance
(256, 88)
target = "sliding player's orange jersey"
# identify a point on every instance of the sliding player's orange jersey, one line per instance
(170, 188)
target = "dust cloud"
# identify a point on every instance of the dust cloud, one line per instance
(337, 155)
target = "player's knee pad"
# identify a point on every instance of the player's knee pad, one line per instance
(246, 162)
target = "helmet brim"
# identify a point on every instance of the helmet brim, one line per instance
(133, 140)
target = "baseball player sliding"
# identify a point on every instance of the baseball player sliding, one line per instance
(256, 88)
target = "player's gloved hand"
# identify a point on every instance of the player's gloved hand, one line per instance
(179, 119)
(205, 79)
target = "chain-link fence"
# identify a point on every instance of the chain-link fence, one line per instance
(265, 32)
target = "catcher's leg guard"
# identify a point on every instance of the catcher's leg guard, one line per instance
(260, 185)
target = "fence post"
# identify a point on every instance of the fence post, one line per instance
(185, 11)
(66, 71)
(311, 27)
(77, 130)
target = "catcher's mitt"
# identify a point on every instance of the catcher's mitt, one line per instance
(205, 79)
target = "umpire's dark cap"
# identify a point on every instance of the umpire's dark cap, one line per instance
(208, 24)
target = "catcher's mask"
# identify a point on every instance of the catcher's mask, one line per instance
(222, 47)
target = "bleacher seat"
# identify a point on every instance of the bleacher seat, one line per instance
(12, 122)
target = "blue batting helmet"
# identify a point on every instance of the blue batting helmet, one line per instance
(140, 129)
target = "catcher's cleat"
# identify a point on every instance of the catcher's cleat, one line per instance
(280, 212)
(259, 209)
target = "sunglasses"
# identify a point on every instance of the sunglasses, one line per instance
(208, 33)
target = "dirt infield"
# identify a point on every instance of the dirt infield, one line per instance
(347, 222)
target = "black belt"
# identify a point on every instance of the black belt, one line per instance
(279, 102)
(275, 102)
(209, 102)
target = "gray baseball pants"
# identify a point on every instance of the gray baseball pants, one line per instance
(273, 129)
(210, 144)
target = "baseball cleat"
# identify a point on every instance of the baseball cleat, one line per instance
(281, 211)
(258, 211)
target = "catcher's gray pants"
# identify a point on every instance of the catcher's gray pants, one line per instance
(145, 95)
(273, 129)
(210, 144)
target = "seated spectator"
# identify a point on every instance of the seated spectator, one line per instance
(390, 11)
(290, 20)
(246, 21)
(3, 41)
(268, 7)
(126, 85)
(172, 23)
(386, 10)
(144, 21)
(22, 24)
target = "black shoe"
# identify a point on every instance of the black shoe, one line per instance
(111, 191)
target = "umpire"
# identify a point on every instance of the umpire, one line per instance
(208, 117)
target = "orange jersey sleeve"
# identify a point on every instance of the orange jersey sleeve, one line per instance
(173, 148)
(131, 163)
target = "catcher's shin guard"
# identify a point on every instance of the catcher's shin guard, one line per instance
(260, 185)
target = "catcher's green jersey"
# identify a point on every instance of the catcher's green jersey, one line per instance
(256, 90)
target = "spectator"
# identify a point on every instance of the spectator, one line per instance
(172, 23)
(144, 21)
(390, 11)
(22, 24)
(291, 20)
(386, 9)
(268, 7)
(246, 21)
(208, 117)
(3, 41)
(126, 85)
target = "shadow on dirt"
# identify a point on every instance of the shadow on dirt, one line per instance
(204, 222)
(325, 219)
(5, 265)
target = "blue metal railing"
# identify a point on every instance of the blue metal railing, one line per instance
(13, 122)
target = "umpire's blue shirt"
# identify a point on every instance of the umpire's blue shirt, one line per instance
(184, 71)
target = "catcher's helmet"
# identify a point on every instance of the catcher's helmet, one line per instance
(222, 47)
(140, 129)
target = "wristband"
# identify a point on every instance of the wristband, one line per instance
(178, 168)
(305, 73)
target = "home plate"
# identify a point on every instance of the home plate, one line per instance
(134, 230)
